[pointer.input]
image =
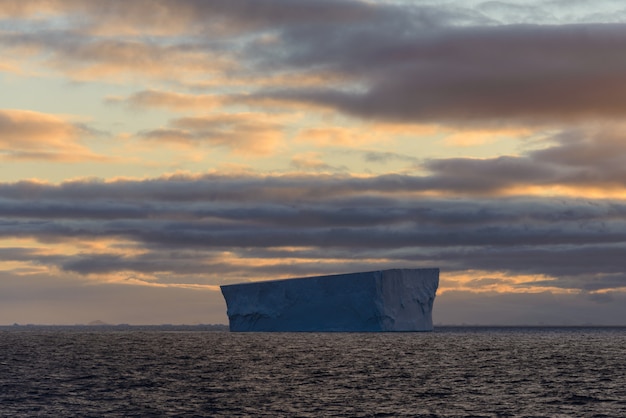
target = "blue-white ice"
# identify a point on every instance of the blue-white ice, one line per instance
(387, 300)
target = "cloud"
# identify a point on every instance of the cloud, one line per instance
(28, 135)
(577, 159)
(468, 76)
(216, 227)
(169, 100)
(385, 157)
(88, 40)
(243, 133)
(21, 9)
(220, 16)
(83, 57)
(9, 67)
(312, 161)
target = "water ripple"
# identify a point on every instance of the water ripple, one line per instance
(485, 372)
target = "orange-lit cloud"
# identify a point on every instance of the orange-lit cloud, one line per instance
(495, 281)
(121, 59)
(8, 67)
(311, 161)
(17, 8)
(28, 135)
(243, 133)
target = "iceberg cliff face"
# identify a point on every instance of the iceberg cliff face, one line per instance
(387, 300)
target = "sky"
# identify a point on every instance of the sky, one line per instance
(152, 150)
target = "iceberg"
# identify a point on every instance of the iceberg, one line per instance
(375, 301)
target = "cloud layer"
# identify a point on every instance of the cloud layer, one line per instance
(232, 226)
(406, 63)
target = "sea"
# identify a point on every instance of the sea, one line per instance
(189, 372)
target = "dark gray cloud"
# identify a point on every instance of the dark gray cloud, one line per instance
(465, 75)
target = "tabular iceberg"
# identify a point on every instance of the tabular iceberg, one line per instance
(386, 300)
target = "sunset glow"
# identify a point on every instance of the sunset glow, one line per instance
(152, 150)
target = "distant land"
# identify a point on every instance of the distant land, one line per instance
(102, 326)
(97, 327)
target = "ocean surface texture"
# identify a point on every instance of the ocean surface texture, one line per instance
(483, 372)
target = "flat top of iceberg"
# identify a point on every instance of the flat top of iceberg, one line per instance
(337, 276)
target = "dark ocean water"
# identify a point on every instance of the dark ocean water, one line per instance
(452, 372)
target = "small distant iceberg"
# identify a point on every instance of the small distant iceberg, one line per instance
(375, 301)
(96, 323)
